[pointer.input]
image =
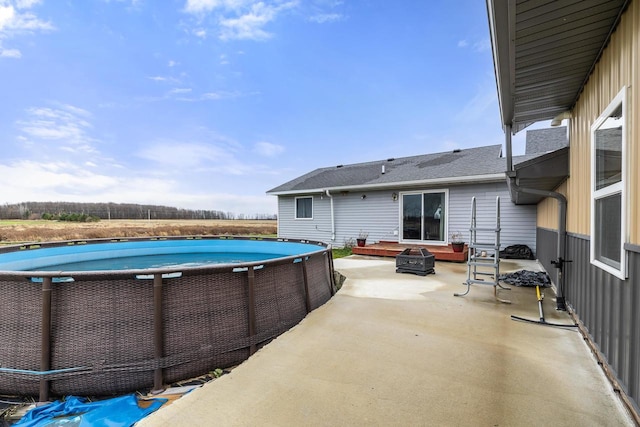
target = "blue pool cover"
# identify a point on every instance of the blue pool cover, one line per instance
(75, 411)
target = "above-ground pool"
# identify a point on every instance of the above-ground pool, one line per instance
(102, 317)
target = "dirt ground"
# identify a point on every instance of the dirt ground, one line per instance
(46, 231)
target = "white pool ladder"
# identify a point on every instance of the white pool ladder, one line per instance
(484, 256)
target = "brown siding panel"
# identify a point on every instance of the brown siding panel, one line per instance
(619, 66)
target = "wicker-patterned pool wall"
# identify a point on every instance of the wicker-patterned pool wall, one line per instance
(120, 331)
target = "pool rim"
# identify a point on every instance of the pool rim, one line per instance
(35, 246)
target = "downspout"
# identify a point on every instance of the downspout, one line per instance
(333, 220)
(562, 219)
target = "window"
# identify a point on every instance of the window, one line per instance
(608, 201)
(424, 216)
(304, 207)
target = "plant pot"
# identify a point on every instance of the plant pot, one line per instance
(361, 242)
(457, 246)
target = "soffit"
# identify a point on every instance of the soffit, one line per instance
(544, 52)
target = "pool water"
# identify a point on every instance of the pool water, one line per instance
(145, 254)
(160, 261)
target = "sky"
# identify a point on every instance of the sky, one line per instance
(208, 104)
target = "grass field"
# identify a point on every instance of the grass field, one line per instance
(22, 231)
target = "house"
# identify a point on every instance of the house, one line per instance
(419, 199)
(579, 62)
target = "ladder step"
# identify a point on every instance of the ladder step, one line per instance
(483, 264)
(480, 273)
(492, 230)
(481, 282)
(484, 245)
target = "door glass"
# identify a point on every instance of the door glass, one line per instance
(411, 216)
(434, 215)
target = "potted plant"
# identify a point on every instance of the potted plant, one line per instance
(362, 238)
(457, 241)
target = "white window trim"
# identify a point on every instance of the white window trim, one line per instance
(295, 208)
(446, 217)
(619, 187)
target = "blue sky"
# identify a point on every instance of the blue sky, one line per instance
(207, 104)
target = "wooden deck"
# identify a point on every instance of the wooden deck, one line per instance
(391, 249)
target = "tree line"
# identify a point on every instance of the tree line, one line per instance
(38, 210)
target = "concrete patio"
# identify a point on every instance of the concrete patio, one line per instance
(399, 349)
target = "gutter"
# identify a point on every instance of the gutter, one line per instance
(333, 220)
(562, 219)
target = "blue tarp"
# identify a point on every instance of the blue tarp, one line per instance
(74, 411)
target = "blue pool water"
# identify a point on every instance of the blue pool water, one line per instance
(160, 261)
(148, 254)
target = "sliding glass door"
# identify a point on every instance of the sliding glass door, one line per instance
(424, 216)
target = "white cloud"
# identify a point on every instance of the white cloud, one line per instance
(480, 46)
(16, 21)
(184, 155)
(217, 157)
(164, 79)
(7, 15)
(10, 53)
(49, 180)
(27, 4)
(66, 181)
(323, 18)
(236, 19)
(205, 6)
(268, 149)
(214, 96)
(478, 107)
(13, 22)
(172, 63)
(65, 125)
(249, 26)
(179, 90)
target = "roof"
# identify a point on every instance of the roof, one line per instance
(448, 166)
(544, 51)
(480, 164)
(546, 140)
(543, 172)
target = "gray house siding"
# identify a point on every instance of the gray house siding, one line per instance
(379, 215)
(318, 228)
(376, 214)
(517, 222)
(606, 305)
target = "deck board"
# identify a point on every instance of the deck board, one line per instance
(391, 249)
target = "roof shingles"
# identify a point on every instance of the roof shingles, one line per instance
(451, 165)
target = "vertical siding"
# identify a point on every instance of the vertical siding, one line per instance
(547, 241)
(548, 210)
(606, 305)
(631, 31)
(618, 67)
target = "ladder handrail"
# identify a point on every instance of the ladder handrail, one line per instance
(474, 261)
